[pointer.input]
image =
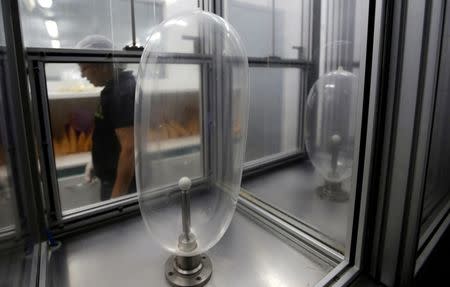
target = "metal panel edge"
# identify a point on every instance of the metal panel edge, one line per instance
(421, 259)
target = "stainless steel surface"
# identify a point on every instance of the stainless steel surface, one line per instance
(43, 264)
(122, 254)
(186, 214)
(198, 276)
(291, 229)
(17, 268)
(293, 190)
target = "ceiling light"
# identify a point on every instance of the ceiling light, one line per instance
(52, 28)
(56, 44)
(45, 3)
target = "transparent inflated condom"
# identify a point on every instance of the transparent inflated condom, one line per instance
(330, 127)
(191, 119)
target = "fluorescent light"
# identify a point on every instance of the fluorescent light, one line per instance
(175, 22)
(45, 3)
(56, 44)
(52, 28)
(155, 37)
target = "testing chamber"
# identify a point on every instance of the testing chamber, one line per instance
(344, 167)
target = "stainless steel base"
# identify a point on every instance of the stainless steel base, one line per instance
(333, 191)
(188, 271)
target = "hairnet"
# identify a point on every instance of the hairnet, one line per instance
(101, 43)
(95, 42)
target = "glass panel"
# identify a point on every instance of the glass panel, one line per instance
(316, 189)
(151, 12)
(274, 112)
(279, 28)
(437, 185)
(63, 23)
(91, 114)
(175, 144)
(86, 112)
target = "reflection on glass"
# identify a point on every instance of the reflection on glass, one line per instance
(272, 28)
(149, 13)
(302, 189)
(65, 22)
(174, 125)
(274, 112)
(329, 130)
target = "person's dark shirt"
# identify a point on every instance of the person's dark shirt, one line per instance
(115, 110)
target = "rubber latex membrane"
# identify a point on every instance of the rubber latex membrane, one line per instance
(330, 124)
(191, 119)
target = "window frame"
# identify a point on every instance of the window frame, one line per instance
(37, 59)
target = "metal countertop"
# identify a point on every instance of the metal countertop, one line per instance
(123, 254)
(292, 189)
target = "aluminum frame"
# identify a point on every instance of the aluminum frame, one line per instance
(22, 156)
(413, 58)
(47, 157)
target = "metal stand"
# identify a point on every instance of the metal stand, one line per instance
(183, 271)
(333, 190)
(188, 271)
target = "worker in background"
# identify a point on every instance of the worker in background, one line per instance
(113, 135)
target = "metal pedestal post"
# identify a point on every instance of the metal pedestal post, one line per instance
(183, 271)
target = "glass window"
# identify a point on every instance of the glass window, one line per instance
(274, 117)
(91, 108)
(150, 13)
(311, 104)
(272, 28)
(87, 113)
(63, 23)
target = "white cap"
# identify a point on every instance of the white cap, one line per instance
(95, 42)
(336, 139)
(184, 183)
